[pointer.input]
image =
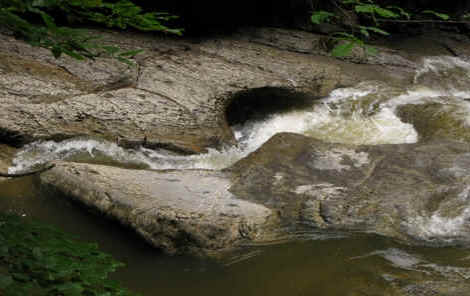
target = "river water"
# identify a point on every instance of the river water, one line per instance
(324, 264)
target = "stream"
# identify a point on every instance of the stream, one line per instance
(327, 264)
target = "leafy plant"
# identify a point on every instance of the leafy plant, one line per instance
(370, 13)
(442, 16)
(35, 22)
(39, 260)
(321, 16)
(345, 42)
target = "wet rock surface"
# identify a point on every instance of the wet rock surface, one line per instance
(413, 192)
(400, 191)
(6, 155)
(176, 95)
(177, 98)
(437, 121)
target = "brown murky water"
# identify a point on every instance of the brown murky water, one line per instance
(326, 264)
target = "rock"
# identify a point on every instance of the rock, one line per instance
(434, 121)
(304, 42)
(176, 211)
(175, 97)
(6, 155)
(413, 192)
(441, 288)
(177, 94)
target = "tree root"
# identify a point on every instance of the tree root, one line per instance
(28, 173)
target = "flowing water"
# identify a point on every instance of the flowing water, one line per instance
(323, 264)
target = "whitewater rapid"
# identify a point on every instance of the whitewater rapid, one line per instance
(363, 114)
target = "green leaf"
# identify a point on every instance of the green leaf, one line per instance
(49, 21)
(371, 50)
(70, 289)
(343, 49)
(375, 30)
(364, 31)
(5, 281)
(402, 12)
(442, 16)
(125, 61)
(345, 35)
(111, 50)
(131, 53)
(364, 8)
(386, 13)
(321, 16)
(375, 9)
(73, 54)
(37, 252)
(56, 51)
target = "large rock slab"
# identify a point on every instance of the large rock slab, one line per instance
(413, 192)
(177, 211)
(176, 95)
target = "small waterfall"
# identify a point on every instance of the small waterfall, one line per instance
(364, 114)
(329, 119)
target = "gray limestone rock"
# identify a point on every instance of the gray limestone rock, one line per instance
(176, 95)
(178, 211)
(413, 192)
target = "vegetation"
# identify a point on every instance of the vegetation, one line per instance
(369, 19)
(39, 260)
(41, 23)
(54, 24)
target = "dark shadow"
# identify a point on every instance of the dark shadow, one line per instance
(262, 102)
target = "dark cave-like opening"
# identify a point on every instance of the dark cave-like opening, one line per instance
(258, 104)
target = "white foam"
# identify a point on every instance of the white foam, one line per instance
(318, 121)
(42, 152)
(439, 226)
(442, 227)
(440, 65)
(332, 119)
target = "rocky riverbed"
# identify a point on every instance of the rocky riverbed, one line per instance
(181, 99)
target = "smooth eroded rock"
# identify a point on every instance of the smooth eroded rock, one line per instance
(177, 211)
(176, 95)
(437, 121)
(414, 192)
(293, 183)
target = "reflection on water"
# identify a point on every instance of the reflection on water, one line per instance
(354, 265)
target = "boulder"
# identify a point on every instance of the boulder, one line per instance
(438, 120)
(414, 192)
(177, 211)
(292, 184)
